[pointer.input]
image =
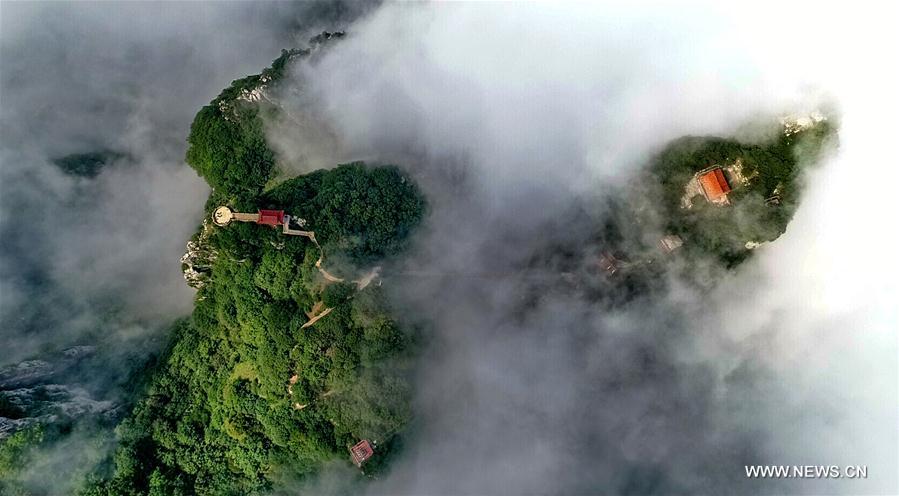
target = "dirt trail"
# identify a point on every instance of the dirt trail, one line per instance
(315, 309)
(293, 380)
(325, 273)
(321, 258)
(316, 318)
(316, 312)
(368, 278)
(297, 405)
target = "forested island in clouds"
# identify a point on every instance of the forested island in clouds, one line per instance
(397, 265)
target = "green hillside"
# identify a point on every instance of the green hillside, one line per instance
(766, 182)
(246, 396)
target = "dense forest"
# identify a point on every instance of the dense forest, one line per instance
(760, 206)
(245, 396)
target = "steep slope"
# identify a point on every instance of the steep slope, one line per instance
(246, 395)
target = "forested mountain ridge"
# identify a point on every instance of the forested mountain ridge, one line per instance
(279, 369)
(764, 179)
(245, 396)
(703, 203)
(227, 144)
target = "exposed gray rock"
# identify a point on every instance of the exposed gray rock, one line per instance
(197, 262)
(25, 372)
(10, 426)
(36, 391)
(79, 351)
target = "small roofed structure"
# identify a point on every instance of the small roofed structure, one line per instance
(271, 217)
(714, 186)
(670, 243)
(361, 451)
(223, 216)
(608, 263)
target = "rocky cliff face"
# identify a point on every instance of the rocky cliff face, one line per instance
(196, 263)
(37, 391)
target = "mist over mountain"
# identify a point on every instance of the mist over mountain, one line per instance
(521, 130)
(535, 134)
(108, 89)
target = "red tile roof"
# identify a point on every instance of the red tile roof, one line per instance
(714, 184)
(271, 217)
(361, 451)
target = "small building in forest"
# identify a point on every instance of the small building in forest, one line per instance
(714, 185)
(670, 242)
(361, 451)
(222, 216)
(608, 263)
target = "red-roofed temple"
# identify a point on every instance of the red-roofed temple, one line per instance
(271, 217)
(714, 186)
(361, 451)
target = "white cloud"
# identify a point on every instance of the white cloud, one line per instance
(546, 102)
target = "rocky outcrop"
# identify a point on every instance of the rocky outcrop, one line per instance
(27, 372)
(256, 89)
(51, 403)
(32, 372)
(793, 124)
(197, 262)
(35, 391)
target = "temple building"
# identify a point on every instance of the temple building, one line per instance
(272, 218)
(361, 451)
(714, 186)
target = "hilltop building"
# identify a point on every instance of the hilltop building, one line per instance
(714, 186)
(274, 218)
(223, 216)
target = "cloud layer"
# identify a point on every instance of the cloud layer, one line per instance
(123, 77)
(95, 261)
(516, 121)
